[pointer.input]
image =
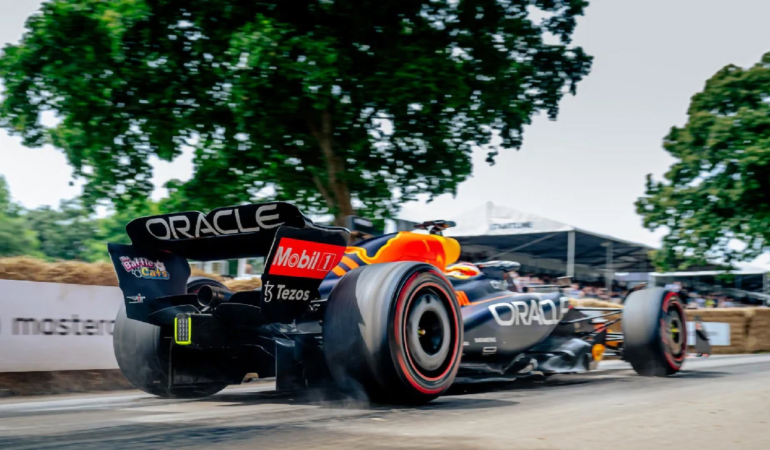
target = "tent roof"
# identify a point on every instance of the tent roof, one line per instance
(494, 220)
(709, 273)
(491, 231)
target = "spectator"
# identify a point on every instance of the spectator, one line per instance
(602, 294)
(574, 291)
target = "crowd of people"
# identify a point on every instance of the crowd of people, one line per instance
(584, 290)
(619, 291)
(705, 299)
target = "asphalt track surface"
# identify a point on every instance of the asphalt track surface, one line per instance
(717, 403)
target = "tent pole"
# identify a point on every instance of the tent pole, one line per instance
(571, 253)
(610, 273)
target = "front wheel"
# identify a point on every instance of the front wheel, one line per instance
(655, 332)
(393, 332)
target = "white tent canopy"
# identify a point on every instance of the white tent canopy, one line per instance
(495, 220)
(494, 231)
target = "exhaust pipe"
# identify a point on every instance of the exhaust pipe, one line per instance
(212, 296)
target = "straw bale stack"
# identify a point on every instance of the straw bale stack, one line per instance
(759, 331)
(739, 320)
(68, 272)
(244, 285)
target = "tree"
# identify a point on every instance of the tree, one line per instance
(5, 196)
(717, 193)
(15, 237)
(339, 105)
(112, 229)
(65, 233)
(7, 206)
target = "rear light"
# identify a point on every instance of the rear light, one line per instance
(183, 329)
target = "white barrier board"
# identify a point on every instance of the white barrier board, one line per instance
(53, 326)
(717, 332)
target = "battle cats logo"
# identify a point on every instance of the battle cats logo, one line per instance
(144, 268)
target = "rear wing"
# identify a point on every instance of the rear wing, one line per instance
(153, 271)
(224, 233)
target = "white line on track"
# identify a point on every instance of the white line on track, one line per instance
(697, 363)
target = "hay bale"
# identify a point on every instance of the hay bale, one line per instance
(749, 327)
(616, 327)
(199, 273)
(758, 339)
(593, 303)
(739, 320)
(67, 272)
(244, 285)
(746, 335)
(711, 314)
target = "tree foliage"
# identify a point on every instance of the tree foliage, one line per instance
(69, 232)
(15, 236)
(717, 192)
(15, 239)
(5, 196)
(63, 233)
(112, 228)
(335, 104)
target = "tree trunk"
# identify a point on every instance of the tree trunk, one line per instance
(336, 193)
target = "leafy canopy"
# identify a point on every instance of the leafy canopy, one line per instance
(63, 233)
(112, 228)
(16, 238)
(67, 232)
(718, 190)
(339, 105)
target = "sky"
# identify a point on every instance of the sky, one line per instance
(588, 167)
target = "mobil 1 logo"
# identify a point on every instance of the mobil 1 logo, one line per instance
(299, 260)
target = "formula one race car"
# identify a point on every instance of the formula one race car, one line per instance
(391, 317)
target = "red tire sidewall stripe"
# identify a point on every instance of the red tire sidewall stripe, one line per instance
(676, 362)
(399, 332)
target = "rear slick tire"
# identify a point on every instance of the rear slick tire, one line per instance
(393, 333)
(142, 355)
(655, 332)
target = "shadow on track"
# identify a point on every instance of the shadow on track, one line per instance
(452, 399)
(334, 399)
(699, 374)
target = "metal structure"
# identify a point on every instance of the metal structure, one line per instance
(494, 231)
